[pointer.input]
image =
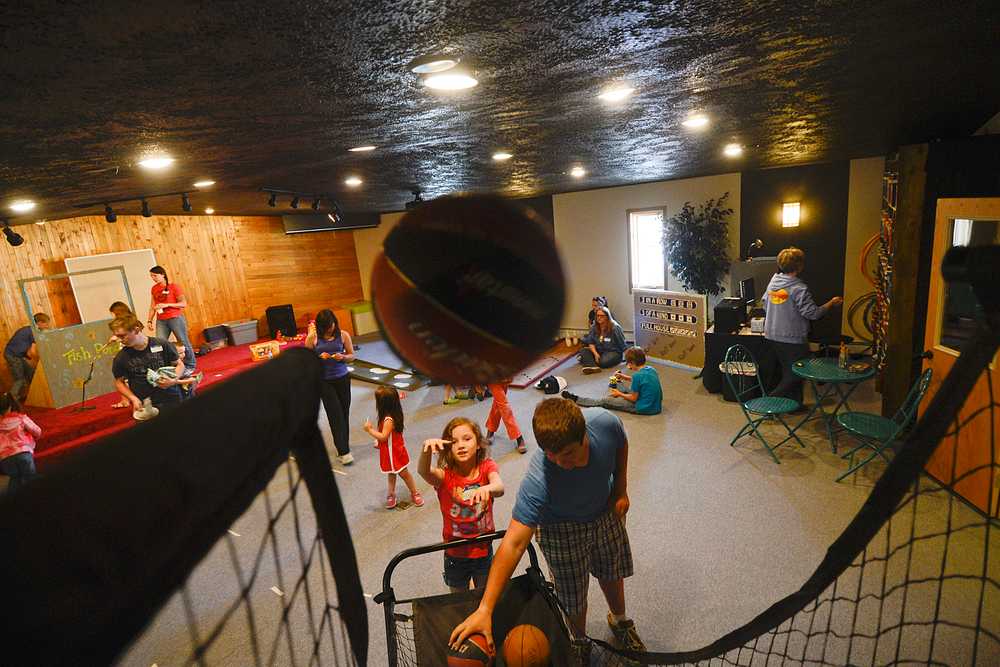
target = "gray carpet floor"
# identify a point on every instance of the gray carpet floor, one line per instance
(718, 533)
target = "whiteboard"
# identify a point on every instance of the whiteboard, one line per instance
(95, 292)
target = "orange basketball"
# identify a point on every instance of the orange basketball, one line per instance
(526, 646)
(469, 289)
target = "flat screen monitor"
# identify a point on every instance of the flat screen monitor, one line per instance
(748, 292)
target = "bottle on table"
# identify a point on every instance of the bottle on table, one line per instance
(842, 361)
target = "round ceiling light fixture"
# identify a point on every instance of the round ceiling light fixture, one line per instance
(616, 93)
(22, 206)
(577, 172)
(459, 77)
(432, 64)
(695, 121)
(204, 184)
(361, 149)
(353, 181)
(732, 150)
(209, 211)
(156, 162)
(502, 156)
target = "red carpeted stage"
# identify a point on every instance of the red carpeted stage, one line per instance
(65, 429)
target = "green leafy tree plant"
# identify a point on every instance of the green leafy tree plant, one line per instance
(696, 246)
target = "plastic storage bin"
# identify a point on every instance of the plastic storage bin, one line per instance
(241, 332)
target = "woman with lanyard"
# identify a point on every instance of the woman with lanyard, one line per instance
(335, 349)
(604, 344)
(168, 304)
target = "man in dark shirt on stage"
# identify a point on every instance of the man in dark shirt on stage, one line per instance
(21, 354)
(139, 354)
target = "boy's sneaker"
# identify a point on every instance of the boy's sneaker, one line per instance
(590, 370)
(626, 635)
(569, 396)
(346, 459)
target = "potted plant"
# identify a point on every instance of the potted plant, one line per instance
(696, 246)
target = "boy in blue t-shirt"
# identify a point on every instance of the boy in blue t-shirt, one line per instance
(645, 396)
(575, 494)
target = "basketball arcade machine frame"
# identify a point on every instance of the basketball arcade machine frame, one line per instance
(417, 639)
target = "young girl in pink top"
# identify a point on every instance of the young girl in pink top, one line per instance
(17, 442)
(466, 480)
(392, 454)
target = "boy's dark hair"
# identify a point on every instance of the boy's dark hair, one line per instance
(8, 403)
(387, 405)
(557, 424)
(41, 318)
(119, 308)
(635, 355)
(127, 322)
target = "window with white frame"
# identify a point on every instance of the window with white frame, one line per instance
(646, 260)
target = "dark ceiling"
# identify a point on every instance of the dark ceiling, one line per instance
(274, 93)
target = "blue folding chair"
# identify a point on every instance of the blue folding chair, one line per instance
(880, 432)
(740, 369)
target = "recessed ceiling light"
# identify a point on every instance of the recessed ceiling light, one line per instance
(432, 64)
(353, 181)
(22, 206)
(501, 156)
(40, 223)
(456, 78)
(577, 172)
(209, 210)
(361, 149)
(616, 94)
(696, 121)
(732, 150)
(204, 184)
(156, 162)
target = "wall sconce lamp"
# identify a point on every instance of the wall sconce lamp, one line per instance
(790, 214)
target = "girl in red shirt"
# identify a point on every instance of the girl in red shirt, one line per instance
(168, 304)
(392, 454)
(466, 480)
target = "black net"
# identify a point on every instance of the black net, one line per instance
(915, 577)
(212, 535)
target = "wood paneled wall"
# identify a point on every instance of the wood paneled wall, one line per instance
(230, 267)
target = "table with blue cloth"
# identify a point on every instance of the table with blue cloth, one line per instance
(827, 378)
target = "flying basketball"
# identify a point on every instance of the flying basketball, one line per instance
(469, 289)
(474, 652)
(526, 646)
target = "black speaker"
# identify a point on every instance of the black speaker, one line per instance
(729, 315)
(281, 318)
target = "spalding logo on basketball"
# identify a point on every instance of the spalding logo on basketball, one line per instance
(473, 652)
(469, 289)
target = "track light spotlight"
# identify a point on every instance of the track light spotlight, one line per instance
(109, 213)
(146, 212)
(338, 213)
(185, 203)
(295, 201)
(316, 204)
(272, 201)
(13, 237)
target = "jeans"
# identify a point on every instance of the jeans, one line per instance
(179, 326)
(21, 373)
(608, 402)
(788, 353)
(20, 468)
(607, 360)
(336, 395)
